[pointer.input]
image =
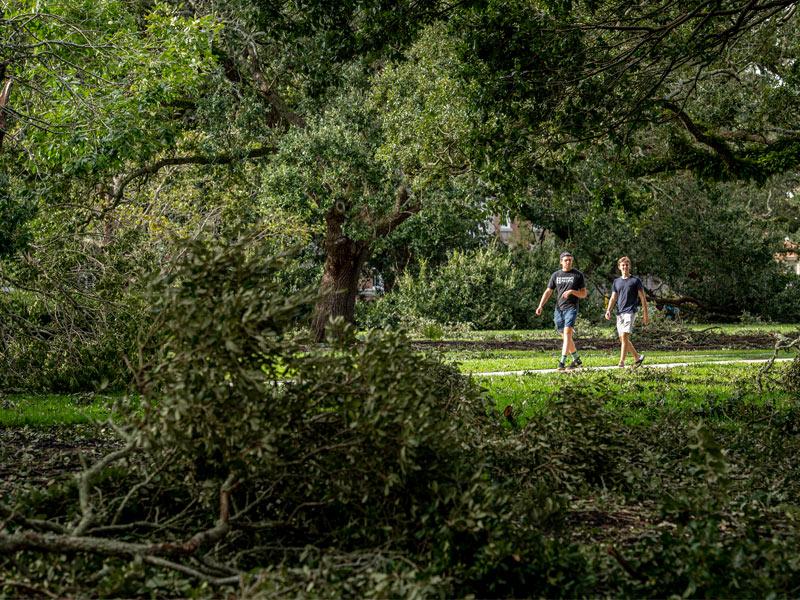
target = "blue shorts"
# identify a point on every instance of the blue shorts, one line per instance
(565, 318)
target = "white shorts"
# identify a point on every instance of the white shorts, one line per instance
(625, 323)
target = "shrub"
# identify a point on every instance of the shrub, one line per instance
(783, 303)
(489, 288)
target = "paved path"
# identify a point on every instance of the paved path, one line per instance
(644, 366)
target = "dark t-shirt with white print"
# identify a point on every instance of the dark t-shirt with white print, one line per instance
(561, 281)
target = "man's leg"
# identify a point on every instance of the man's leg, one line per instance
(639, 357)
(568, 347)
(627, 347)
(631, 347)
(558, 319)
(623, 339)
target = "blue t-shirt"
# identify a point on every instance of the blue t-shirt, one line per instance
(627, 294)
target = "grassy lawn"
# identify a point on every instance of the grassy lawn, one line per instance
(586, 329)
(528, 392)
(53, 409)
(486, 361)
(702, 391)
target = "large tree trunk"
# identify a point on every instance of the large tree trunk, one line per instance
(343, 261)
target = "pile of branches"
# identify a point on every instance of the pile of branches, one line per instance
(248, 457)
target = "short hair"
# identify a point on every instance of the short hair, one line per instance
(622, 259)
(565, 254)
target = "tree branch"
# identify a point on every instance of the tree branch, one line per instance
(4, 95)
(717, 145)
(219, 581)
(404, 208)
(280, 109)
(223, 525)
(51, 542)
(122, 182)
(84, 479)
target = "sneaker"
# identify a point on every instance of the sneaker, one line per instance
(639, 362)
(561, 366)
(575, 364)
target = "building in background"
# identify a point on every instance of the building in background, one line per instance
(790, 256)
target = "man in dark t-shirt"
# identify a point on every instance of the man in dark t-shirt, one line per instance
(570, 286)
(627, 293)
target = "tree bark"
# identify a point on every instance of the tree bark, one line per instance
(5, 92)
(343, 261)
(345, 256)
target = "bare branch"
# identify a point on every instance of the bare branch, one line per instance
(140, 485)
(281, 110)
(32, 589)
(222, 527)
(84, 479)
(4, 95)
(219, 581)
(781, 343)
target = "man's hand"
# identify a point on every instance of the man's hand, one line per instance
(646, 319)
(566, 294)
(608, 315)
(538, 311)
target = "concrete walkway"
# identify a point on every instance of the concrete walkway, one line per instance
(646, 365)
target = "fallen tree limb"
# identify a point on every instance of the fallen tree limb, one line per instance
(168, 564)
(84, 480)
(152, 553)
(54, 542)
(782, 343)
(30, 588)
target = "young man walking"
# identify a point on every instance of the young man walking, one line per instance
(627, 293)
(570, 287)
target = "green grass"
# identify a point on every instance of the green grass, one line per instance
(529, 393)
(485, 361)
(639, 395)
(587, 329)
(747, 328)
(53, 409)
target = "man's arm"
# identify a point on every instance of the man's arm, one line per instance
(545, 297)
(645, 311)
(581, 293)
(611, 304)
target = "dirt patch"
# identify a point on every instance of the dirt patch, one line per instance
(706, 342)
(39, 457)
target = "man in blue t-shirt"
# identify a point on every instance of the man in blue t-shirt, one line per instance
(571, 287)
(627, 293)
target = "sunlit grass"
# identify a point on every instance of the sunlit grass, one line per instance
(486, 361)
(53, 409)
(587, 329)
(638, 394)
